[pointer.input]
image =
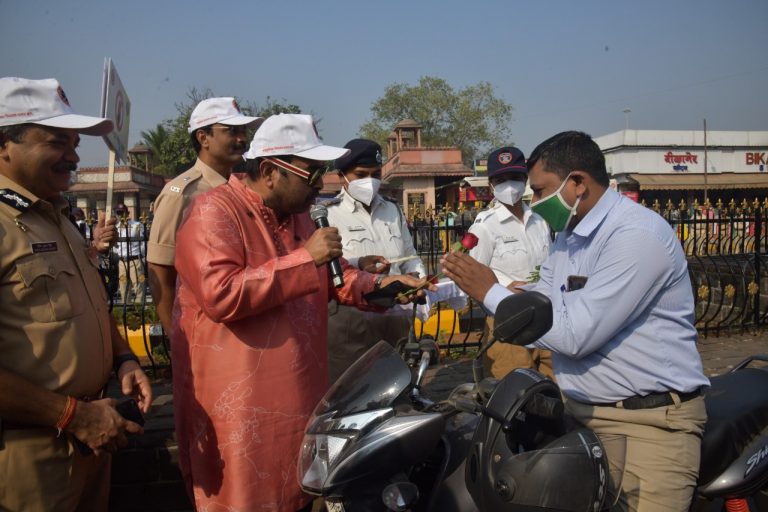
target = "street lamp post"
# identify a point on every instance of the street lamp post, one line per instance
(626, 117)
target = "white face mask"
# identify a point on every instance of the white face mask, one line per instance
(363, 189)
(509, 192)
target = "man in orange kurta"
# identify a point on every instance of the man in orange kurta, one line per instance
(249, 343)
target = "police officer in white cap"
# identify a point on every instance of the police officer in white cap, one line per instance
(375, 237)
(59, 343)
(220, 135)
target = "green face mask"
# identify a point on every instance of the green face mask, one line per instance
(554, 209)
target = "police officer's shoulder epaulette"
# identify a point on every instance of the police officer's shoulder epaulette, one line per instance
(331, 202)
(393, 202)
(481, 217)
(15, 200)
(180, 182)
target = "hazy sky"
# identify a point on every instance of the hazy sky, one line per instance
(560, 64)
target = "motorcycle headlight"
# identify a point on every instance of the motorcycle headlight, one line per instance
(325, 440)
(319, 453)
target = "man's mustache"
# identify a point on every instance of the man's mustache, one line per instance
(69, 167)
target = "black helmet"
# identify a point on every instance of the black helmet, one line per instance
(532, 462)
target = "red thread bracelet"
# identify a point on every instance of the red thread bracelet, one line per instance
(67, 414)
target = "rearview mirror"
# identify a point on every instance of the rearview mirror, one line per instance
(522, 318)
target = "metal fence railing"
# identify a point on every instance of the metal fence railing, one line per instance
(727, 261)
(726, 247)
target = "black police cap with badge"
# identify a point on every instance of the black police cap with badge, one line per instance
(506, 160)
(362, 153)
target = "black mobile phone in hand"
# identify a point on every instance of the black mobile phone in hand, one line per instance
(129, 410)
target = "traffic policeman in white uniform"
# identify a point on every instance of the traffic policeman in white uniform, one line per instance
(513, 242)
(375, 237)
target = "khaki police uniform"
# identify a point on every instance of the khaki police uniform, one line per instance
(383, 232)
(512, 249)
(54, 332)
(170, 206)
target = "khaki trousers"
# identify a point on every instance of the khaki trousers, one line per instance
(131, 279)
(663, 451)
(502, 358)
(40, 473)
(352, 332)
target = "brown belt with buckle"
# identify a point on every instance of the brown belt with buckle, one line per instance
(651, 401)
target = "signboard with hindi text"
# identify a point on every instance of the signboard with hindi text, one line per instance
(116, 106)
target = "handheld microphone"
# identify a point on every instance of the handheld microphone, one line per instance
(319, 214)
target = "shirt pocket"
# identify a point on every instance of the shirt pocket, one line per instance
(509, 249)
(357, 238)
(394, 241)
(47, 285)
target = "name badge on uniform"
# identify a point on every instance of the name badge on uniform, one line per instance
(356, 228)
(508, 239)
(44, 247)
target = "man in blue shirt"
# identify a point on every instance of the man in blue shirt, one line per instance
(623, 339)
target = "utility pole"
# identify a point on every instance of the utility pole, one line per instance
(705, 162)
(626, 117)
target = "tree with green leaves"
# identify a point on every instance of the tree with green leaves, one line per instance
(472, 119)
(169, 141)
(272, 107)
(156, 139)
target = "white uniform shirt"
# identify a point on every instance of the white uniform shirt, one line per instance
(511, 248)
(131, 236)
(383, 232)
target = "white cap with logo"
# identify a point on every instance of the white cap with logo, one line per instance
(43, 102)
(218, 110)
(291, 134)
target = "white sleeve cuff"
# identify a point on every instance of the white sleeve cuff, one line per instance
(496, 294)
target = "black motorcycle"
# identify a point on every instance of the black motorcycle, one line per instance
(375, 442)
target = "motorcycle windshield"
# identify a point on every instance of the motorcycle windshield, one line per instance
(372, 382)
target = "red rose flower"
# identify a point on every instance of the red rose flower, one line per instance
(469, 241)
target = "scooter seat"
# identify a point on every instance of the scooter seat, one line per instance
(737, 410)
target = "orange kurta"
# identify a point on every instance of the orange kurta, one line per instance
(249, 349)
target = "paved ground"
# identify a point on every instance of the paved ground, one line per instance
(718, 354)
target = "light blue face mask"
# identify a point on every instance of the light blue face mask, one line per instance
(554, 209)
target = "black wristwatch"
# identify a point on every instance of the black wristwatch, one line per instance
(118, 361)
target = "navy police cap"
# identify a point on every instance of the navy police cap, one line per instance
(506, 160)
(362, 153)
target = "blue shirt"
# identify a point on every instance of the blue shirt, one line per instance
(630, 330)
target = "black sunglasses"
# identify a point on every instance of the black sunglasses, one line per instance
(312, 174)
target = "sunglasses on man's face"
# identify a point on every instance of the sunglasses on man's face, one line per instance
(233, 130)
(312, 174)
